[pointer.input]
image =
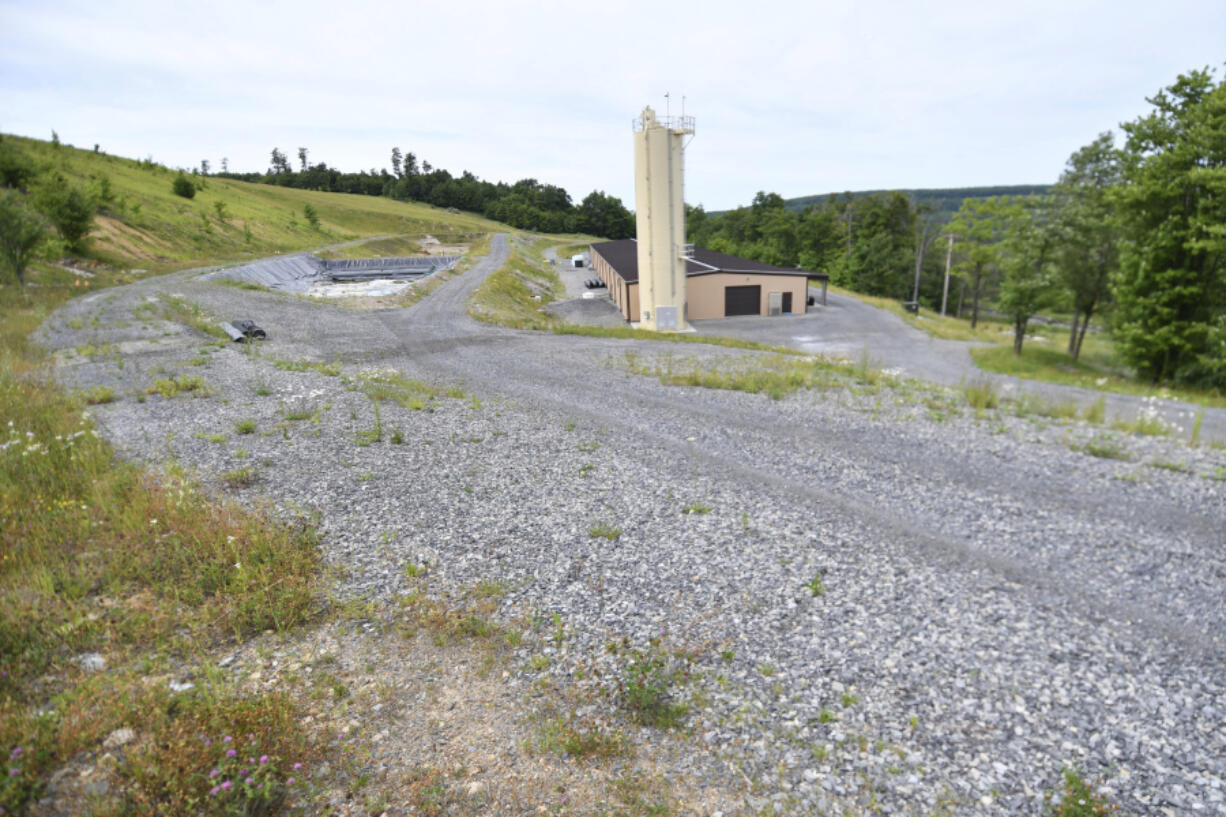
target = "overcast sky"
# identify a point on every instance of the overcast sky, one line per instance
(796, 98)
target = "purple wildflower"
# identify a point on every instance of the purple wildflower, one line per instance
(297, 766)
(289, 782)
(14, 772)
(228, 738)
(214, 773)
(231, 753)
(263, 759)
(226, 785)
(15, 753)
(247, 782)
(213, 791)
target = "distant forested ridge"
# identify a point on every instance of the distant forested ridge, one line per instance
(944, 201)
(527, 204)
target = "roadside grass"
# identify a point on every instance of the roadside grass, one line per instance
(514, 295)
(1056, 366)
(1043, 354)
(628, 333)
(944, 327)
(774, 375)
(108, 576)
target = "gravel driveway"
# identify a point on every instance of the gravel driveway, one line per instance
(996, 604)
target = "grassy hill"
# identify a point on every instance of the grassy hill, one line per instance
(946, 201)
(143, 225)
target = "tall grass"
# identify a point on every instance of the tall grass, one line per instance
(98, 556)
(514, 295)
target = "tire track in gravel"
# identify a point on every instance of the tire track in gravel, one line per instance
(519, 364)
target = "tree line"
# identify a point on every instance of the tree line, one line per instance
(527, 204)
(1133, 233)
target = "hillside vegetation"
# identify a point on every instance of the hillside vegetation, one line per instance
(143, 224)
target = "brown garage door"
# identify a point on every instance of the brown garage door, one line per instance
(742, 301)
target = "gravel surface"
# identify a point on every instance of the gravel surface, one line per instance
(997, 604)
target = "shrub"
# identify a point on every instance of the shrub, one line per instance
(15, 167)
(981, 395)
(311, 215)
(183, 186)
(1078, 799)
(645, 686)
(69, 209)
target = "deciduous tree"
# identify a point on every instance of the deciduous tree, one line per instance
(1087, 230)
(1027, 283)
(22, 232)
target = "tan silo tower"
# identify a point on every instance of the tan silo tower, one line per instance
(659, 204)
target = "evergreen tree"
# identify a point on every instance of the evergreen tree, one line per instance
(977, 227)
(1171, 286)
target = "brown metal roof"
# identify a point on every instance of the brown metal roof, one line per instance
(623, 257)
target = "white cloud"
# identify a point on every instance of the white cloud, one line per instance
(796, 98)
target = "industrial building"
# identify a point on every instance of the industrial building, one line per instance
(717, 285)
(658, 280)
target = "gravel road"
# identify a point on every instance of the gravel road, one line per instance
(996, 603)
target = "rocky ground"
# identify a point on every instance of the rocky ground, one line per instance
(889, 602)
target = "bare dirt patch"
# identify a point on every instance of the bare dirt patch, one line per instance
(128, 240)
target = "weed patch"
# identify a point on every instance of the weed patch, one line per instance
(181, 384)
(604, 530)
(648, 681)
(1078, 799)
(332, 369)
(1105, 447)
(98, 395)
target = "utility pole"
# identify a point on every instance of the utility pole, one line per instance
(949, 257)
(919, 263)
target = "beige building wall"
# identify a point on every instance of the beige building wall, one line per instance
(706, 292)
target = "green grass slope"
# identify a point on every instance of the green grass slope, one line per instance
(144, 225)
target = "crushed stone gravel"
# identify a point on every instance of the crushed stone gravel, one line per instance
(993, 603)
